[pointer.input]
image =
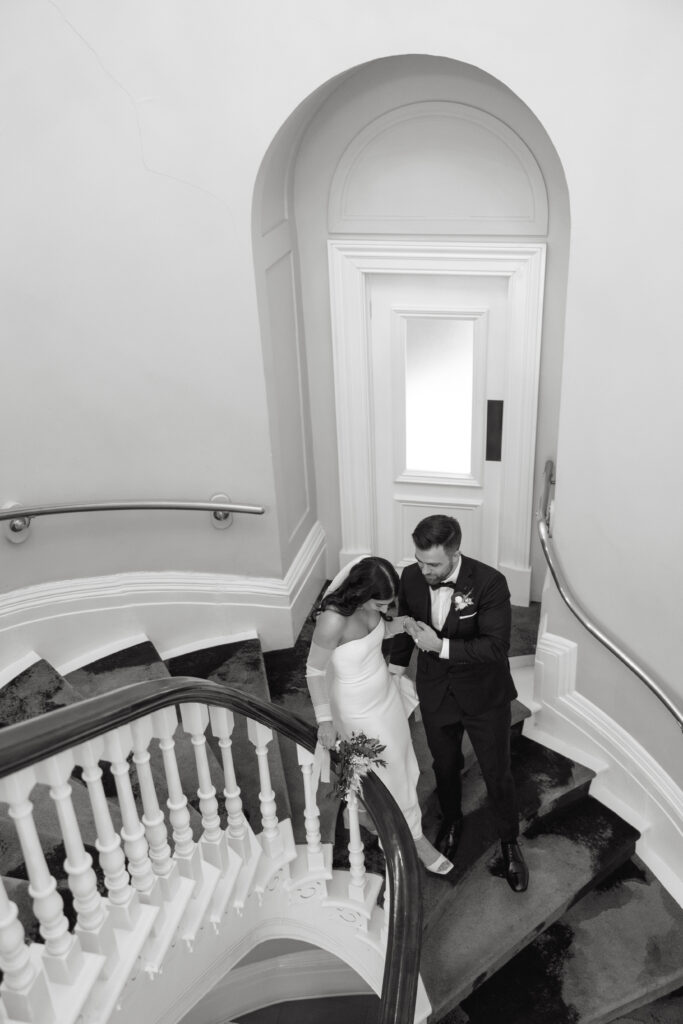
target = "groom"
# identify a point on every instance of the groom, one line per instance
(462, 608)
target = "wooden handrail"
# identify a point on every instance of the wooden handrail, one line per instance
(36, 739)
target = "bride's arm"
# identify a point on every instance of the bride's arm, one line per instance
(328, 631)
(399, 624)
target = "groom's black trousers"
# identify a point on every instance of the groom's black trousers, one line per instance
(489, 734)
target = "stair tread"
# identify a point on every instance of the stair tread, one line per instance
(667, 1010)
(619, 947)
(36, 690)
(132, 664)
(544, 781)
(568, 851)
(240, 665)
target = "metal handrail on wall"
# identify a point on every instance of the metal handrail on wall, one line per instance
(544, 532)
(37, 739)
(220, 507)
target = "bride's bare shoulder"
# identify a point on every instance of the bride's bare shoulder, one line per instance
(330, 627)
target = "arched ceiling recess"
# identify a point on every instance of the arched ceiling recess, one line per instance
(438, 167)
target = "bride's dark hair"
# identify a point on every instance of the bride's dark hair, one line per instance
(372, 578)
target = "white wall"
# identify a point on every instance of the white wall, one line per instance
(133, 134)
(132, 359)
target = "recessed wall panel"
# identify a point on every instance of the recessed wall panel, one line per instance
(288, 435)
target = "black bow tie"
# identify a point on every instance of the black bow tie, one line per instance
(438, 586)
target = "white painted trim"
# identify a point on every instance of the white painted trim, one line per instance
(628, 778)
(311, 974)
(81, 659)
(342, 221)
(523, 264)
(200, 645)
(71, 622)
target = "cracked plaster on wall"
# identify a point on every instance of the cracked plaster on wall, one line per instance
(170, 125)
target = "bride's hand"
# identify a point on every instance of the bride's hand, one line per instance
(327, 735)
(410, 626)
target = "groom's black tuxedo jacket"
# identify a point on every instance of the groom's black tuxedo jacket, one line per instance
(477, 670)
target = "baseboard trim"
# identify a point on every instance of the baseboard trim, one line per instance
(628, 778)
(68, 621)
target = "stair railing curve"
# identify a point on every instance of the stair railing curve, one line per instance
(543, 518)
(35, 740)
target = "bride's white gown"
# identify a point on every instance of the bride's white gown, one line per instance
(365, 699)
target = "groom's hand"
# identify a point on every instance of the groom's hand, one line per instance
(426, 639)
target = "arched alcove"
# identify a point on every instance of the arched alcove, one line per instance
(409, 147)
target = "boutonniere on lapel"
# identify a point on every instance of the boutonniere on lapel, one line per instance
(460, 601)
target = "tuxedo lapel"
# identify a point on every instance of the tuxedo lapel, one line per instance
(464, 583)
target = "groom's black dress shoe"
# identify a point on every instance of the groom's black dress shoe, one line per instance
(448, 837)
(516, 871)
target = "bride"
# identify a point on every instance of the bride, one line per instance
(352, 690)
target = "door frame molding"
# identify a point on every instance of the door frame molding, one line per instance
(351, 262)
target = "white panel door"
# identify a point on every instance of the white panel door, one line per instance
(438, 355)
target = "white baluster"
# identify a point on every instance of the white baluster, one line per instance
(123, 899)
(356, 855)
(186, 851)
(93, 926)
(62, 956)
(24, 989)
(222, 725)
(117, 745)
(195, 718)
(260, 736)
(163, 865)
(311, 813)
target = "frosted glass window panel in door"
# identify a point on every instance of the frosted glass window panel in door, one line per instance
(438, 388)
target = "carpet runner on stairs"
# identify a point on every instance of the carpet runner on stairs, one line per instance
(619, 947)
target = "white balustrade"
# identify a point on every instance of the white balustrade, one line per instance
(314, 849)
(186, 851)
(93, 925)
(356, 851)
(188, 884)
(24, 989)
(195, 719)
(222, 725)
(163, 865)
(62, 956)
(117, 745)
(260, 736)
(123, 899)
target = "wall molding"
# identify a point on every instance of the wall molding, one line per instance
(628, 778)
(65, 620)
(465, 144)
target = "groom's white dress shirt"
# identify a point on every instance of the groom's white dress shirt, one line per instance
(441, 601)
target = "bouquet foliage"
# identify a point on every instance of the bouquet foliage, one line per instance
(356, 757)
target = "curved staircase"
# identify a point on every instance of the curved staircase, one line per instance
(594, 939)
